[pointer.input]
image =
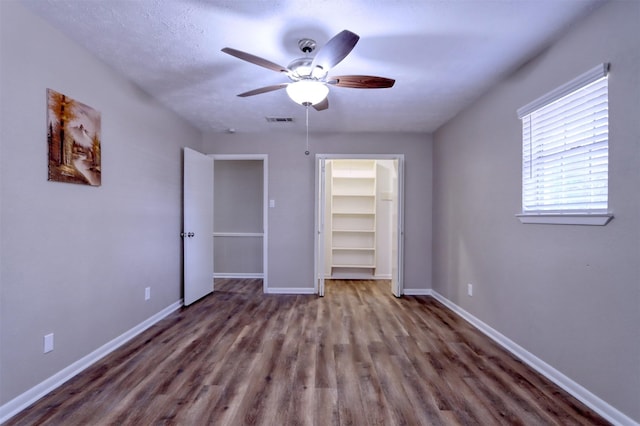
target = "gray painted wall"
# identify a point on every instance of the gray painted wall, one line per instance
(568, 294)
(75, 259)
(292, 186)
(238, 208)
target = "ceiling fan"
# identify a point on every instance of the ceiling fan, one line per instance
(309, 80)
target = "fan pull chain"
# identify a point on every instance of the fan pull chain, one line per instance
(307, 110)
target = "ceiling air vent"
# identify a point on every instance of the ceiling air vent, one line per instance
(279, 119)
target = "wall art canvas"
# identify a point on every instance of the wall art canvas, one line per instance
(73, 136)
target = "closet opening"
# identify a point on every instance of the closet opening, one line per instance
(359, 219)
(240, 218)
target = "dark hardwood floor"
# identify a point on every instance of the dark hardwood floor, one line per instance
(358, 356)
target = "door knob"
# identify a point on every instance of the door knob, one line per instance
(190, 234)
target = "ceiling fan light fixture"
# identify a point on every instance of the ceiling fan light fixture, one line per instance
(307, 92)
(300, 68)
(318, 72)
(309, 75)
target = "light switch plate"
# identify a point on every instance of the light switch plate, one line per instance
(48, 343)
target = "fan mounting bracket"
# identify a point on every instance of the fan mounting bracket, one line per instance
(307, 45)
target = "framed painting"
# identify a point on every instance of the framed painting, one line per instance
(73, 137)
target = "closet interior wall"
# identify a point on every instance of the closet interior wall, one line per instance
(238, 219)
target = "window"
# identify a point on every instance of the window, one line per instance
(565, 150)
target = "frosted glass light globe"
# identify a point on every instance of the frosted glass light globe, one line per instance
(307, 92)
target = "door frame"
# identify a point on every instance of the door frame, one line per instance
(265, 205)
(319, 231)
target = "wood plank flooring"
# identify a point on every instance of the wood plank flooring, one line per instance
(358, 356)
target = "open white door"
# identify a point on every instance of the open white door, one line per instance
(397, 258)
(197, 232)
(320, 218)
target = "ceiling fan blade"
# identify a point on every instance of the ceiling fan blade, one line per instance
(263, 90)
(361, 82)
(335, 50)
(321, 106)
(255, 59)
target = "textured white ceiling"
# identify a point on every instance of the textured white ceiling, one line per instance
(442, 54)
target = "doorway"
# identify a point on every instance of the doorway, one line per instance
(240, 217)
(232, 243)
(359, 219)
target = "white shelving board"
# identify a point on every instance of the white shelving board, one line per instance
(353, 218)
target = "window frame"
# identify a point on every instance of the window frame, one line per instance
(563, 216)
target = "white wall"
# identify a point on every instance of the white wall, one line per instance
(292, 185)
(75, 259)
(386, 192)
(568, 294)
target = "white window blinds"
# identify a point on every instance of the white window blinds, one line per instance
(565, 148)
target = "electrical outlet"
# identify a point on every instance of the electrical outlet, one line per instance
(470, 289)
(147, 293)
(48, 343)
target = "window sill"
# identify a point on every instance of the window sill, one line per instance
(596, 219)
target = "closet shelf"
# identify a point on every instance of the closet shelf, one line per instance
(354, 231)
(354, 248)
(355, 265)
(353, 215)
(354, 174)
(344, 194)
(368, 175)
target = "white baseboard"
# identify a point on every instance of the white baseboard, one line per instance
(383, 277)
(356, 276)
(417, 292)
(592, 401)
(27, 398)
(291, 290)
(350, 276)
(600, 406)
(238, 275)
